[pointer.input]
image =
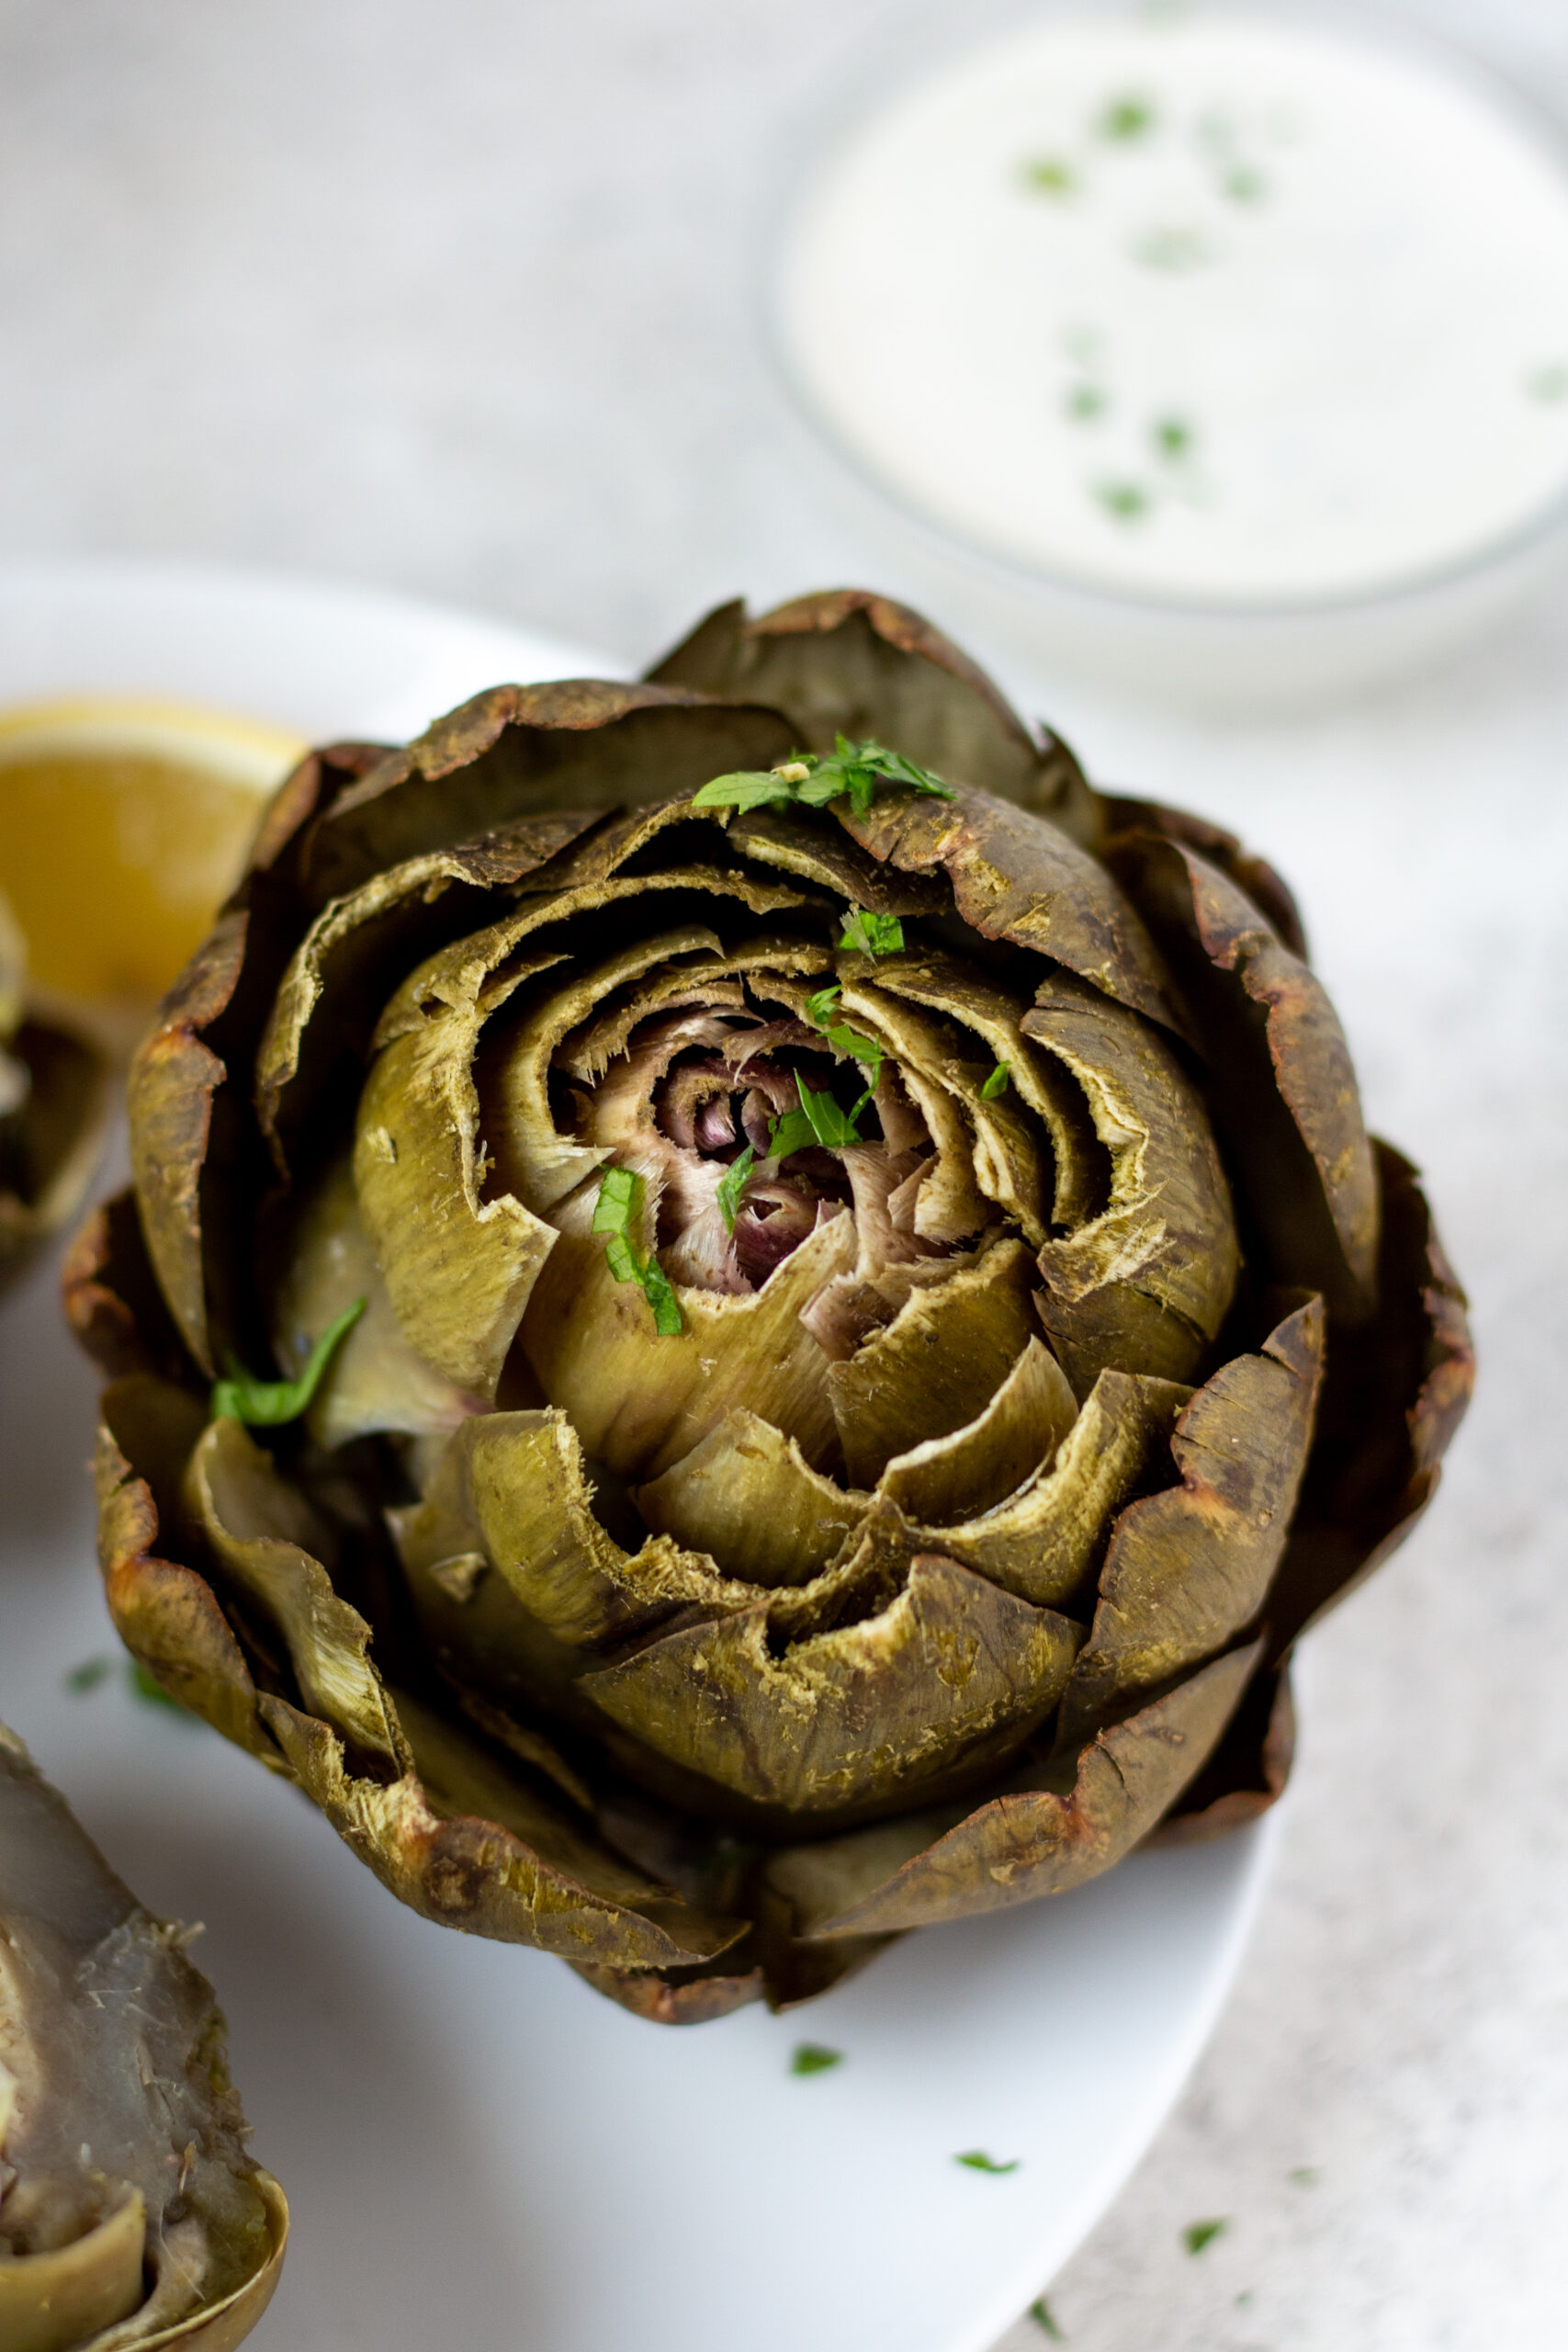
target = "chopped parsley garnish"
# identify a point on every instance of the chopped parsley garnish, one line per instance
(978, 2160)
(616, 1214)
(1197, 2235)
(810, 779)
(1050, 175)
(267, 1404)
(814, 2058)
(1173, 437)
(1548, 384)
(1084, 403)
(1306, 2175)
(1245, 185)
(146, 1687)
(872, 934)
(1128, 501)
(820, 1008)
(88, 1675)
(731, 1184)
(1039, 2311)
(1171, 247)
(996, 1083)
(1125, 118)
(818, 1120)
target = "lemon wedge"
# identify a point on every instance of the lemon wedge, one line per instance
(124, 824)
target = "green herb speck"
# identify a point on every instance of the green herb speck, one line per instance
(1039, 2311)
(146, 1687)
(1127, 501)
(1084, 403)
(1049, 176)
(872, 934)
(1306, 2175)
(268, 1404)
(1548, 384)
(1245, 185)
(1125, 118)
(996, 1083)
(616, 1213)
(731, 1185)
(978, 2160)
(1197, 2235)
(814, 2058)
(89, 1674)
(812, 780)
(1171, 246)
(1173, 437)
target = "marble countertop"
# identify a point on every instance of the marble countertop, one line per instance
(462, 301)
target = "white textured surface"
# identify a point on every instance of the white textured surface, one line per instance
(456, 300)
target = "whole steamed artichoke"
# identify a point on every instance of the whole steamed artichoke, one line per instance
(835, 1313)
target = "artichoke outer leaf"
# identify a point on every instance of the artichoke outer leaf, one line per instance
(163, 1610)
(972, 1469)
(1168, 1231)
(513, 752)
(1248, 1770)
(639, 1402)
(747, 1496)
(175, 1077)
(846, 661)
(265, 1536)
(1045, 1542)
(1283, 1090)
(1030, 1840)
(952, 1669)
(1391, 1406)
(359, 946)
(1188, 1569)
(111, 1296)
(1016, 877)
(936, 1365)
(464, 1869)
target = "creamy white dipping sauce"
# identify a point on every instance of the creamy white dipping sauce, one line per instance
(1208, 307)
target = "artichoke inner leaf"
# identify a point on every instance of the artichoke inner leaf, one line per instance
(588, 1340)
(946, 1479)
(937, 1365)
(747, 1496)
(376, 1380)
(1045, 1542)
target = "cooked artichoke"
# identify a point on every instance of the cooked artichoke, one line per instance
(130, 2214)
(54, 1114)
(839, 1313)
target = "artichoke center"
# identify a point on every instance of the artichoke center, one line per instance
(694, 1095)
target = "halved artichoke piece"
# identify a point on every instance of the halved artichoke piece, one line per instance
(54, 1106)
(131, 2212)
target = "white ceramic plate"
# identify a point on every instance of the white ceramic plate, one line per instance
(479, 2151)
